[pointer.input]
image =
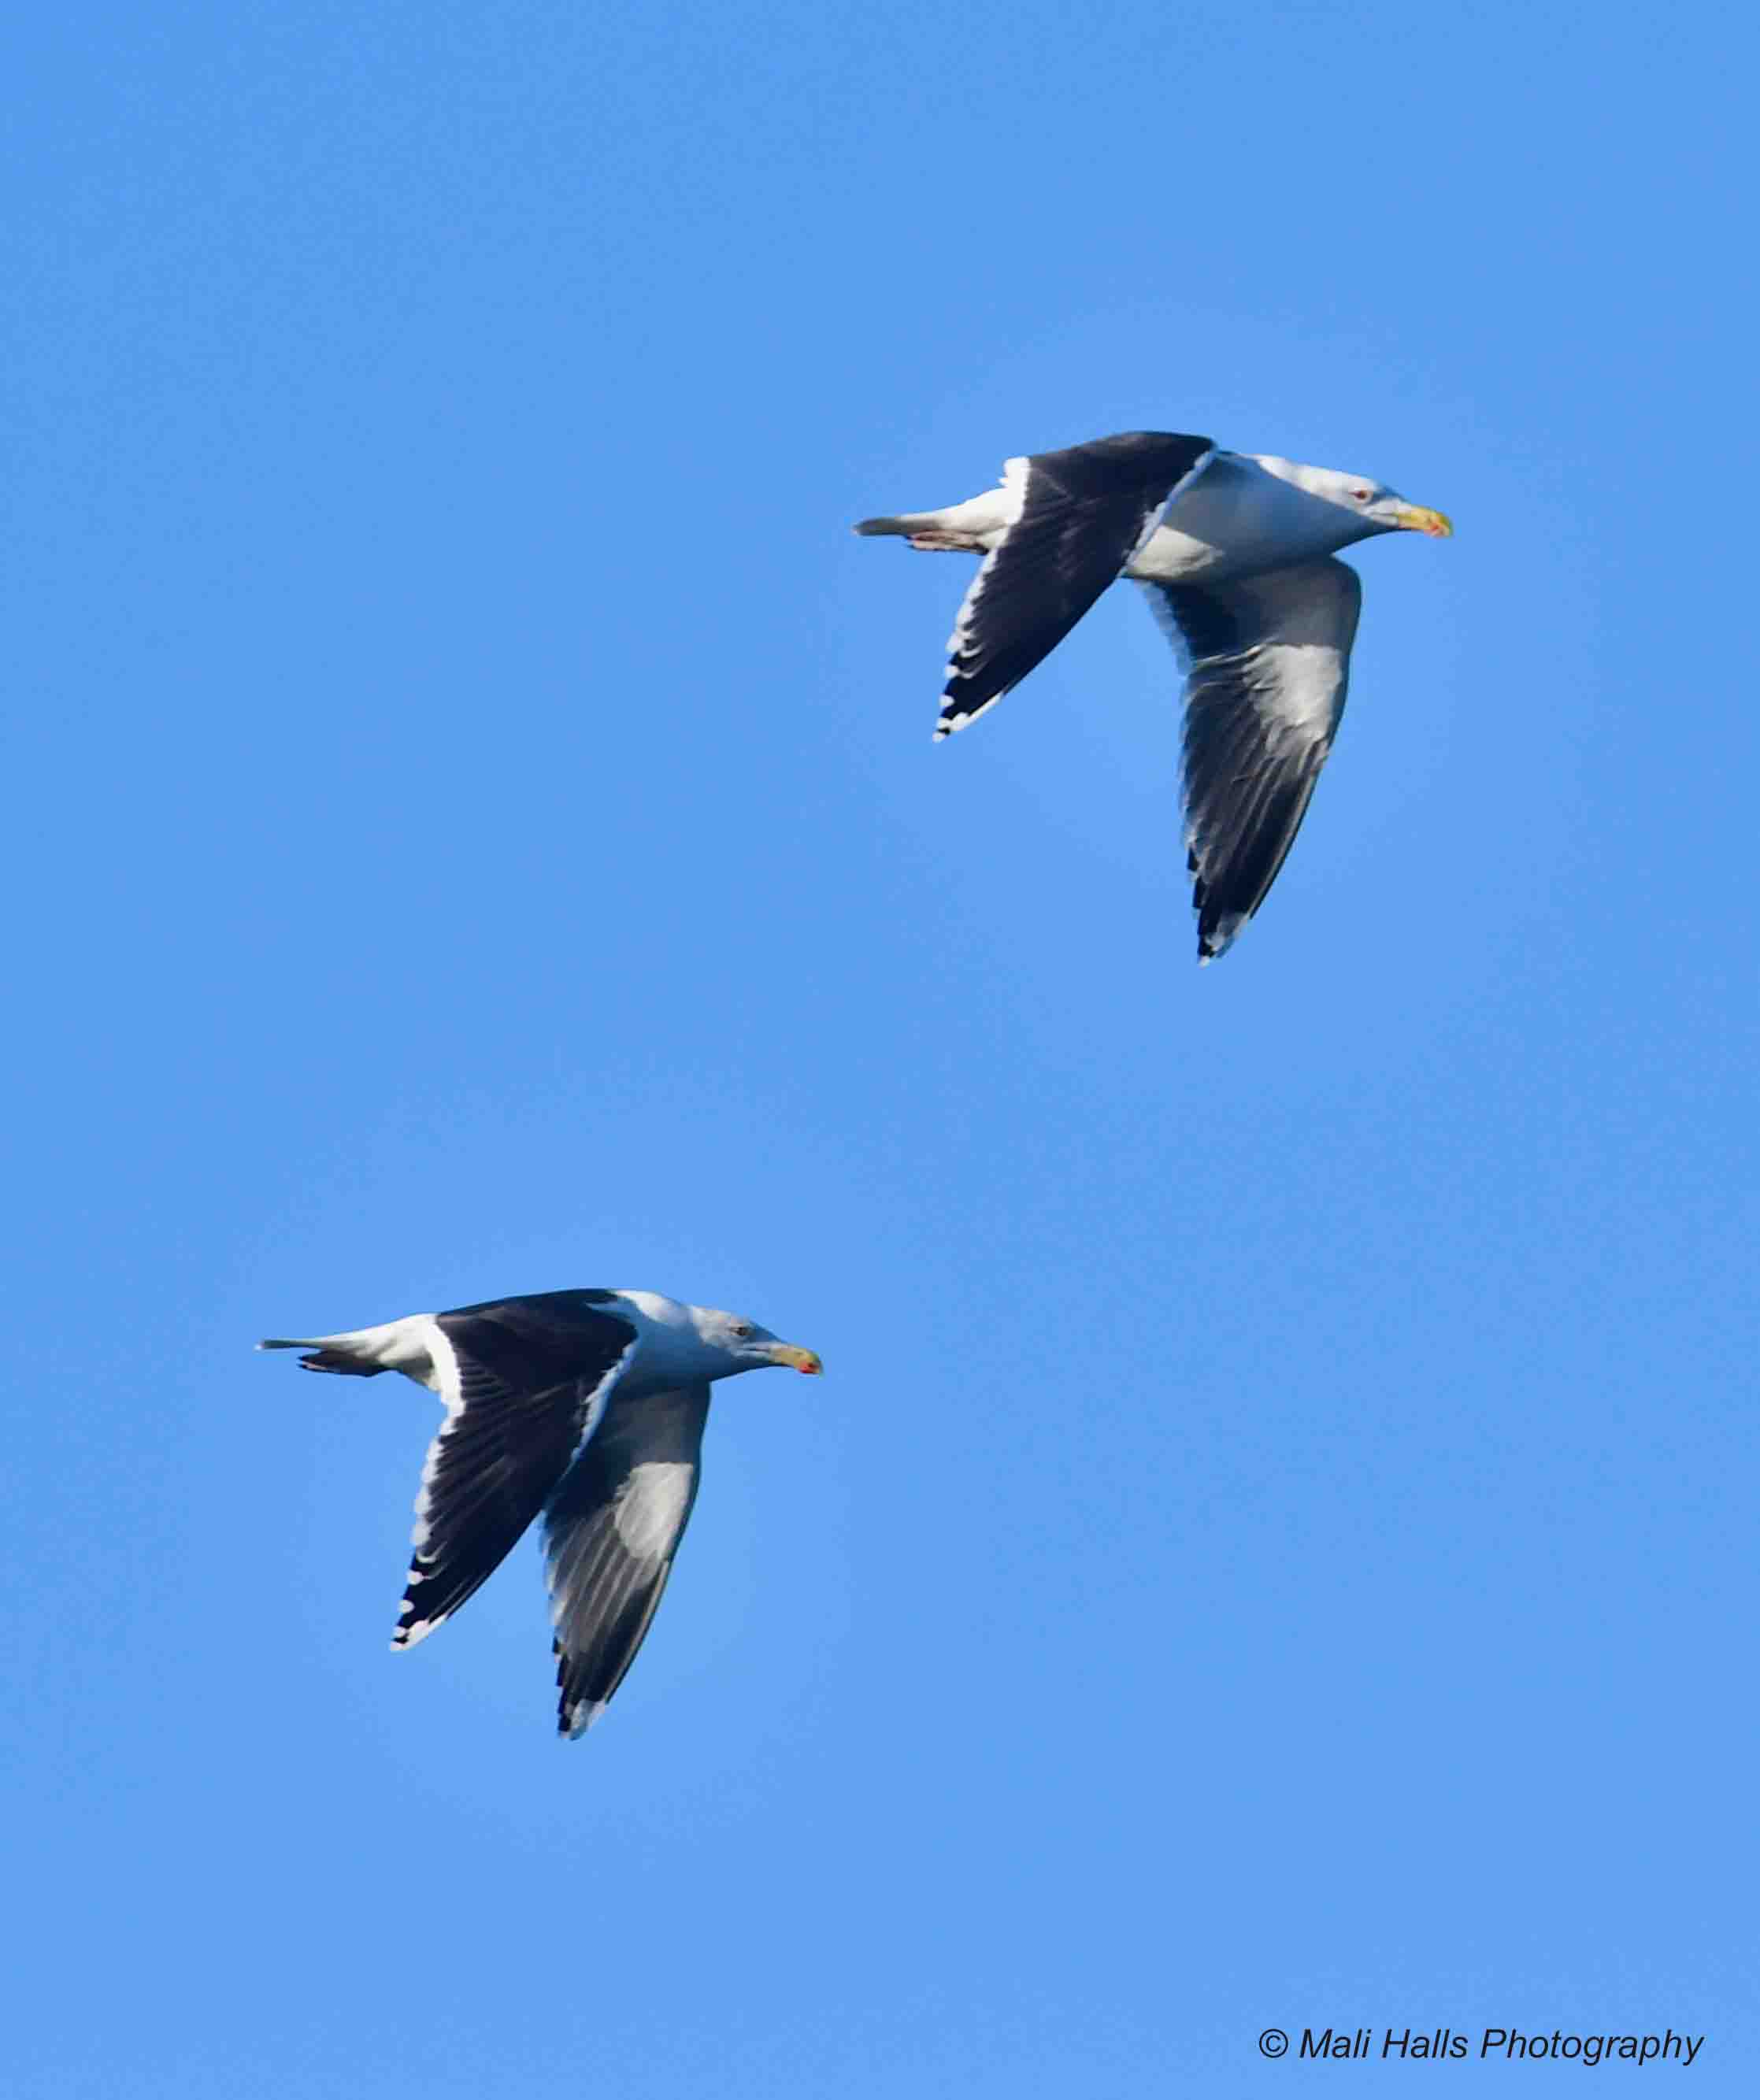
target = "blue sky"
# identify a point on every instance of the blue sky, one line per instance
(1276, 1543)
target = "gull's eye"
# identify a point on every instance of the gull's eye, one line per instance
(1362, 495)
(742, 1330)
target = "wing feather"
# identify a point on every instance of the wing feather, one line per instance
(610, 1532)
(523, 1381)
(1079, 516)
(1267, 661)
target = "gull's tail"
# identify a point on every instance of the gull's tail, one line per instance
(323, 1359)
(972, 527)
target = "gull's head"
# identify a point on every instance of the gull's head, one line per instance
(750, 1347)
(1374, 506)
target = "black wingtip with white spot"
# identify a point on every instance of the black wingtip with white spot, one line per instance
(1078, 518)
(524, 1380)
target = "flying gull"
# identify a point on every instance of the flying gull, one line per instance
(1235, 551)
(587, 1406)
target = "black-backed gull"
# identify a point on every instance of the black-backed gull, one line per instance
(1235, 551)
(585, 1406)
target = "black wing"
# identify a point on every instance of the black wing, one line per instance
(1081, 513)
(1268, 661)
(527, 1378)
(610, 1532)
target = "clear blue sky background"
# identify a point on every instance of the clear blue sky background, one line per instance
(1277, 1543)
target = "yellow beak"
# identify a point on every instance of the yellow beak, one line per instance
(797, 1359)
(1413, 517)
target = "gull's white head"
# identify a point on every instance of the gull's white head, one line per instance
(747, 1346)
(1371, 505)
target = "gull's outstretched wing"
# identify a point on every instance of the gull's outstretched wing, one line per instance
(1267, 659)
(524, 1380)
(1078, 516)
(611, 1532)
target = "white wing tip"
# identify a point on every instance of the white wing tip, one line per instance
(411, 1630)
(950, 725)
(1227, 934)
(580, 1716)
